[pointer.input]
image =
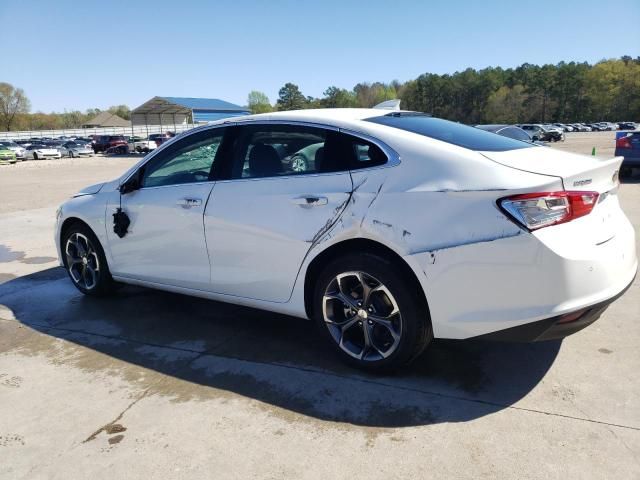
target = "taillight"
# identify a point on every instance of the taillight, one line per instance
(623, 142)
(538, 210)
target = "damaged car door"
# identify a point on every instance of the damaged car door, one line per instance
(165, 202)
(286, 186)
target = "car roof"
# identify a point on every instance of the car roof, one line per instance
(335, 116)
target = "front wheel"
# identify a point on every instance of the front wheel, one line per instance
(85, 261)
(371, 312)
(35, 156)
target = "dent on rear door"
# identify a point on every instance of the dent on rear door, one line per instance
(258, 231)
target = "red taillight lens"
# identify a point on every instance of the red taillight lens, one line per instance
(623, 142)
(538, 210)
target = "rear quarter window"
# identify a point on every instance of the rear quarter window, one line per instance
(450, 132)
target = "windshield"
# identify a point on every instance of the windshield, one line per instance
(450, 132)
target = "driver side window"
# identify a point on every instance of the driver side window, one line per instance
(188, 160)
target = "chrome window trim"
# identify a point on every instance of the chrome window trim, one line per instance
(164, 145)
(393, 158)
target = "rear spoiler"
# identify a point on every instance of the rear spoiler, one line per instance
(388, 105)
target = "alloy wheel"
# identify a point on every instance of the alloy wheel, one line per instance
(298, 164)
(362, 316)
(82, 261)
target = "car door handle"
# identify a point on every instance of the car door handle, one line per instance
(189, 202)
(308, 201)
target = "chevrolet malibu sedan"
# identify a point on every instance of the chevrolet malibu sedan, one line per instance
(401, 229)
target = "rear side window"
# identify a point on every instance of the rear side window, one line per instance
(450, 132)
(283, 150)
(515, 133)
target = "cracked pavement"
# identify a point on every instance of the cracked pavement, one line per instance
(151, 384)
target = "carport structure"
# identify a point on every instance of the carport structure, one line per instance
(183, 111)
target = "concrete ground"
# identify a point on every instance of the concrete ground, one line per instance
(155, 385)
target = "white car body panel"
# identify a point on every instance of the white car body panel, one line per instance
(260, 230)
(151, 251)
(47, 152)
(247, 243)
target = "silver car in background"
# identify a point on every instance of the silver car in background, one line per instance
(76, 149)
(15, 148)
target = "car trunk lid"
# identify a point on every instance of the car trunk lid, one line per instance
(578, 173)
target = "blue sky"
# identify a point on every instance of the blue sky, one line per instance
(76, 55)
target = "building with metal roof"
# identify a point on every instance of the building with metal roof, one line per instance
(181, 110)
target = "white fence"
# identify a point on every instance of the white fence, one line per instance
(137, 130)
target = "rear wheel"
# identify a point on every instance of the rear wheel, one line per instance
(371, 312)
(35, 156)
(85, 261)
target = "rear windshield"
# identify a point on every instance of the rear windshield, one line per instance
(450, 132)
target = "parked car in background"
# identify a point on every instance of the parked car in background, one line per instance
(511, 131)
(18, 150)
(159, 138)
(627, 125)
(406, 229)
(144, 145)
(121, 149)
(103, 142)
(539, 133)
(581, 127)
(609, 127)
(7, 156)
(564, 127)
(628, 146)
(40, 151)
(76, 149)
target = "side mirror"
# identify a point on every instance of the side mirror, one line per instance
(134, 183)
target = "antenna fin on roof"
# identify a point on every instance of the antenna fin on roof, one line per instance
(389, 105)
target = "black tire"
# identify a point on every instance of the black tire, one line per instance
(415, 333)
(103, 284)
(35, 156)
(626, 172)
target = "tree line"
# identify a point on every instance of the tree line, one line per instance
(566, 92)
(15, 107)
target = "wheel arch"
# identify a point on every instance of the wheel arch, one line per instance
(68, 223)
(356, 245)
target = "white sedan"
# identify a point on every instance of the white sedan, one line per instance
(75, 149)
(403, 228)
(41, 152)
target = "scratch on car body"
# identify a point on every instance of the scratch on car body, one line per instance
(432, 250)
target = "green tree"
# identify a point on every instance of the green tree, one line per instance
(506, 105)
(12, 102)
(335, 97)
(122, 111)
(258, 102)
(291, 98)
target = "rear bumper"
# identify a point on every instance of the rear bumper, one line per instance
(555, 327)
(631, 162)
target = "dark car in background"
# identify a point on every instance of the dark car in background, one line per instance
(510, 131)
(540, 133)
(627, 125)
(103, 143)
(628, 146)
